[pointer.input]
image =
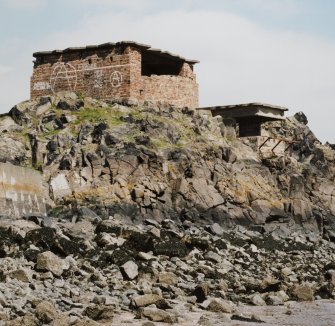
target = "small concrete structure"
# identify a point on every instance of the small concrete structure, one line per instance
(21, 191)
(245, 121)
(125, 71)
(248, 117)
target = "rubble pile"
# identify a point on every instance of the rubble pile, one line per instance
(88, 272)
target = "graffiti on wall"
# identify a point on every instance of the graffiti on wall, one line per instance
(116, 79)
(65, 77)
(98, 79)
(41, 86)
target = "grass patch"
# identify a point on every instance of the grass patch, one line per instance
(160, 143)
(96, 115)
(136, 114)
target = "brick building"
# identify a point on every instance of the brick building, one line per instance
(122, 71)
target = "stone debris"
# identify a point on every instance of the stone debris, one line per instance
(94, 286)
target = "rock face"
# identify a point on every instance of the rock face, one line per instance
(152, 211)
(161, 162)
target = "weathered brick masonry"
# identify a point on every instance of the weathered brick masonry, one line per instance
(120, 71)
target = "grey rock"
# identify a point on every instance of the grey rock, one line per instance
(129, 270)
(145, 300)
(216, 229)
(213, 256)
(158, 315)
(46, 312)
(257, 300)
(100, 313)
(168, 278)
(48, 261)
(304, 291)
(301, 117)
(22, 274)
(218, 305)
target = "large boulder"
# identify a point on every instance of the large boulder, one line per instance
(304, 291)
(48, 261)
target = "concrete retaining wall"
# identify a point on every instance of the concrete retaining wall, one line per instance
(21, 191)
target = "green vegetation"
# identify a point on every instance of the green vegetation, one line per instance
(95, 115)
(136, 114)
(160, 143)
(51, 133)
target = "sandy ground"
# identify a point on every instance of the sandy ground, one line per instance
(318, 313)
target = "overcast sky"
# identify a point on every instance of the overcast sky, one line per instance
(280, 52)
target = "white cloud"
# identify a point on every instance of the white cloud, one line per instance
(278, 7)
(240, 60)
(123, 4)
(4, 69)
(25, 4)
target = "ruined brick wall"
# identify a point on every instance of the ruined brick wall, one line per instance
(103, 75)
(21, 191)
(180, 91)
(111, 74)
(174, 90)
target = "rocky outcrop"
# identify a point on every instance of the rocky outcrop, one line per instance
(160, 162)
(157, 213)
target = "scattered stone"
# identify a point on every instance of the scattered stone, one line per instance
(129, 270)
(213, 256)
(257, 300)
(217, 305)
(167, 278)
(201, 292)
(46, 312)
(216, 229)
(148, 323)
(100, 313)
(274, 300)
(158, 315)
(27, 320)
(304, 292)
(253, 318)
(23, 275)
(48, 261)
(146, 300)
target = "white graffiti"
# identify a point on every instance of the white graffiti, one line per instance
(98, 79)
(41, 86)
(63, 75)
(116, 79)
